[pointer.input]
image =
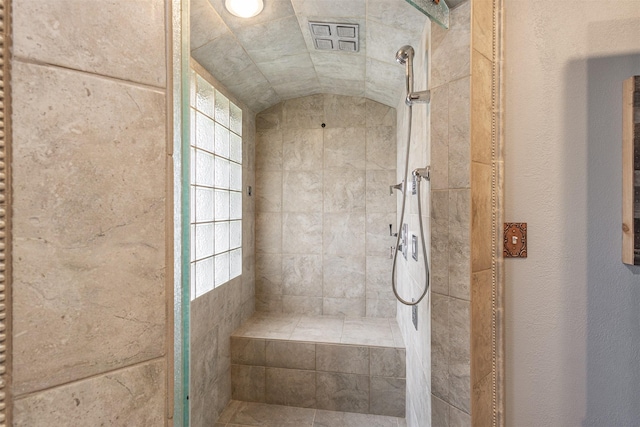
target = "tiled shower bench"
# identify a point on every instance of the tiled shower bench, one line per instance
(333, 363)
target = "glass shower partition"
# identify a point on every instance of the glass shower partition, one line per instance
(181, 217)
(436, 10)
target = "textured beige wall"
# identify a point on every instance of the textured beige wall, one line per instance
(572, 307)
(89, 172)
(323, 207)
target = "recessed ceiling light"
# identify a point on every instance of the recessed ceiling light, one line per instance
(244, 8)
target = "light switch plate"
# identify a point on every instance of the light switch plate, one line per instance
(515, 240)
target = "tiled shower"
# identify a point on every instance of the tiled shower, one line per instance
(324, 219)
(104, 89)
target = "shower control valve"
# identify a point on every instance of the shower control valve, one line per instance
(404, 245)
(414, 247)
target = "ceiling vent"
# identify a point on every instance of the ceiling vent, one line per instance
(330, 36)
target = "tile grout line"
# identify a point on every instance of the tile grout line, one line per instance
(313, 420)
(122, 80)
(322, 251)
(91, 377)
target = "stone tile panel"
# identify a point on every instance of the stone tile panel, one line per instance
(342, 358)
(120, 39)
(388, 396)
(114, 399)
(99, 275)
(342, 392)
(292, 355)
(291, 387)
(248, 351)
(248, 383)
(388, 362)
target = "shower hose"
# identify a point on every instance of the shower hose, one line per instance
(417, 179)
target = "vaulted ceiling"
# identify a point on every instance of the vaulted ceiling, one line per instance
(271, 57)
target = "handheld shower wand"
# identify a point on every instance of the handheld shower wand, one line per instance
(405, 56)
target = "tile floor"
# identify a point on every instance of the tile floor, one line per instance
(327, 329)
(242, 414)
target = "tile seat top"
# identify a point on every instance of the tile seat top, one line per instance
(376, 332)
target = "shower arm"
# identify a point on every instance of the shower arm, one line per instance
(422, 96)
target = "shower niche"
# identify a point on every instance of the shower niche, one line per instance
(631, 171)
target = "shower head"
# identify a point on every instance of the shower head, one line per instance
(404, 54)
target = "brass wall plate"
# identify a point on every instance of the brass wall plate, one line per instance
(515, 240)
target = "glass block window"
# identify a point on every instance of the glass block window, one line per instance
(216, 187)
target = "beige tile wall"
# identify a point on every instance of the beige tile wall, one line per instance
(452, 220)
(216, 314)
(89, 173)
(462, 254)
(323, 207)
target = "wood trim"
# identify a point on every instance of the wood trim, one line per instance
(628, 229)
(497, 204)
(5, 217)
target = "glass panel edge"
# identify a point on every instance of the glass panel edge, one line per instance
(438, 12)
